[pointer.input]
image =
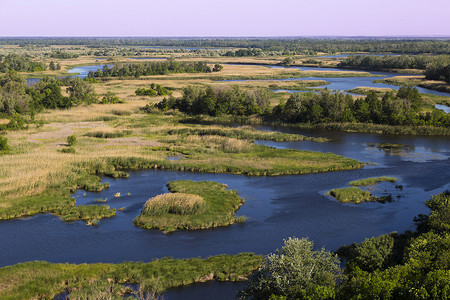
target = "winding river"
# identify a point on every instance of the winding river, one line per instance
(276, 207)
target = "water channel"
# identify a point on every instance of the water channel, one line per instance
(276, 207)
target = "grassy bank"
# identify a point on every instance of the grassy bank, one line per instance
(373, 180)
(42, 280)
(190, 206)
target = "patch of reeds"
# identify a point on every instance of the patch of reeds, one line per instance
(174, 203)
(108, 134)
(356, 195)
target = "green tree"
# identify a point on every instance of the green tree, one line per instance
(295, 271)
(3, 144)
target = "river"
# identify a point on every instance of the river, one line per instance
(276, 207)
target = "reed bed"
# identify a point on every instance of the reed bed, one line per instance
(43, 280)
(174, 203)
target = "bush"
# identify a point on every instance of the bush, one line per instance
(3, 144)
(72, 140)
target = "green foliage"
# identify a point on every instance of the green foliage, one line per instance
(153, 91)
(217, 68)
(14, 62)
(295, 271)
(110, 98)
(407, 266)
(373, 253)
(151, 68)
(3, 144)
(185, 210)
(290, 60)
(109, 134)
(72, 140)
(401, 108)
(351, 194)
(70, 150)
(209, 101)
(43, 280)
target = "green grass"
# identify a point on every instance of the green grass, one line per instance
(246, 133)
(214, 206)
(356, 195)
(373, 180)
(43, 280)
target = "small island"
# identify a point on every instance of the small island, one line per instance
(190, 206)
(354, 194)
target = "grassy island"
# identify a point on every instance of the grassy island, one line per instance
(373, 180)
(355, 195)
(190, 206)
(43, 280)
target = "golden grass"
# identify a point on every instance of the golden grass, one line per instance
(175, 203)
(214, 142)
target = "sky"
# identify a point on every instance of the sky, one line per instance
(224, 18)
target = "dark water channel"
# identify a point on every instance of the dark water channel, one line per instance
(277, 208)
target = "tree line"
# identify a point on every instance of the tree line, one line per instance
(437, 67)
(169, 66)
(394, 108)
(295, 46)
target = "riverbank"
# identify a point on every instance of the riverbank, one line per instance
(34, 280)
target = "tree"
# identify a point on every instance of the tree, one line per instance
(52, 66)
(217, 68)
(295, 271)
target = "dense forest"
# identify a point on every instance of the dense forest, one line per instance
(288, 45)
(436, 67)
(14, 62)
(152, 68)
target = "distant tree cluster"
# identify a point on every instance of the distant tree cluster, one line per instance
(151, 68)
(63, 55)
(436, 67)
(399, 108)
(210, 101)
(284, 45)
(18, 63)
(244, 52)
(153, 91)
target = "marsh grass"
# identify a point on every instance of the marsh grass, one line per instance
(108, 133)
(247, 133)
(192, 206)
(43, 280)
(351, 194)
(373, 180)
(174, 203)
(356, 195)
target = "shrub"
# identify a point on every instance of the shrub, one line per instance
(71, 140)
(3, 144)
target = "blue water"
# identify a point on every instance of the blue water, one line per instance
(347, 83)
(84, 70)
(445, 108)
(276, 207)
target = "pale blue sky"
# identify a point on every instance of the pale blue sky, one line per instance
(224, 18)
